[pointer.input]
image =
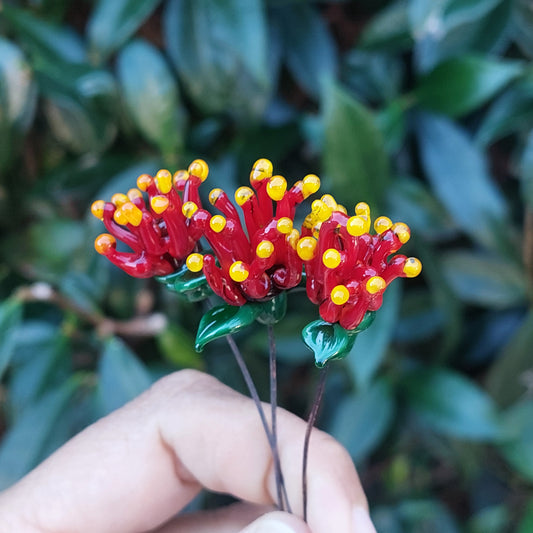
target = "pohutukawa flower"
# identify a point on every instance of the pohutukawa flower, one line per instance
(347, 268)
(257, 261)
(160, 234)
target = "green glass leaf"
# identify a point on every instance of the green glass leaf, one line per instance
(331, 341)
(192, 286)
(462, 84)
(224, 320)
(272, 311)
(153, 99)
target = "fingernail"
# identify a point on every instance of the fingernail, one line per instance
(361, 522)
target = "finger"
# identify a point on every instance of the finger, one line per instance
(277, 522)
(135, 468)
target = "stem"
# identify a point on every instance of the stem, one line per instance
(280, 484)
(310, 423)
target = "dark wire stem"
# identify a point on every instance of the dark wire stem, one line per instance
(310, 424)
(280, 483)
(255, 397)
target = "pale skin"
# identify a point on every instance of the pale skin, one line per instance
(133, 470)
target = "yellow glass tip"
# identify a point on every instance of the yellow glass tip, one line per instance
(284, 225)
(97, 209)
(119, 199)
(382, 224)
(261, 170)
(132, 213)
(120, 217)
(292, 238)
(195, 262)
(104, 242)
(143, 182)
(331, 258)
(188, 209)
(356, 226)
(217, 223)
(375, 284)
(310, 185)
(199, 169)
(362, 208)
(412, 267)
(276, 187)
(180, 175)
(163, 181)
(340, 295)
(133, 194)
(242, 195)
(159, 204)
(306, 248)
(264, 249)
(329, 201)
(214, 195)
(238, 272)
(402, 231)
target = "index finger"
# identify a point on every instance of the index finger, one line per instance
(137, 467)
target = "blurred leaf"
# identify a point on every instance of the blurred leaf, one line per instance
(392, 123)
(354, 155)
(176, 345)
(526, 171)
(10, 317)
(23, 445)
(113, 22)
(526, 523)
(80, 105)
(81, 290)
(410, 201)
(483, 279)
(45, 40)
(517, 446)
(522, 26)
(152, 98)
(506, 378)
(493, 519)
(220, 52)
(310, 50)
(371, 345)
(122, 376)
(18, 93)
(451, 404)
(388, 30)
(511, 112)
(459, 176)
(463, 84)
(361, 420)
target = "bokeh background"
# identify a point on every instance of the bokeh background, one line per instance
(423, 108)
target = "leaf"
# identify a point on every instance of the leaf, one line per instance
(460, 85)
(45, 40)
(309, 49)
(219, 50)
(24, 443)
(10, 318)
(484, 279)
(122, 376)
(522, 26)
(361, 420)
(526, 522)
(459, 176)
(493, 519)
(372, 344)
(176, 345)
(526, 172)
(192, 286)
(451, 404)
(354, 154)
(113, 22)
(224, 320)
(511, 112)
(331, 341)
(18, 92)
(505, 380)
(517, 447)
(152, 99)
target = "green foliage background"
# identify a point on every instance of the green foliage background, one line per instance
(423, 108)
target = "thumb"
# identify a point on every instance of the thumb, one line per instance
(277, 522)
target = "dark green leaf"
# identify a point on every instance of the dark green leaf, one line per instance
(526, 171)
(522, 25)
(517, 446)
(460, 178)
(484, 279)
(451, 404)
(45, 40)
(152, 98)
(113, 22)
(493, 519)
(361, 420)
(220, 52)
(192, 286)
(354, 155)
(526, 523)
(176, 345)
(24, 444)
(463, 84)
(511, 112)
(371, 345)
(122, 376)
(10, 317)
(506, 378)
(310, 51)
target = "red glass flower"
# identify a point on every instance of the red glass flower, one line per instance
(256, 261)
(347, 268)
(160, 236)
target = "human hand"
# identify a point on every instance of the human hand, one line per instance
(133, 470)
